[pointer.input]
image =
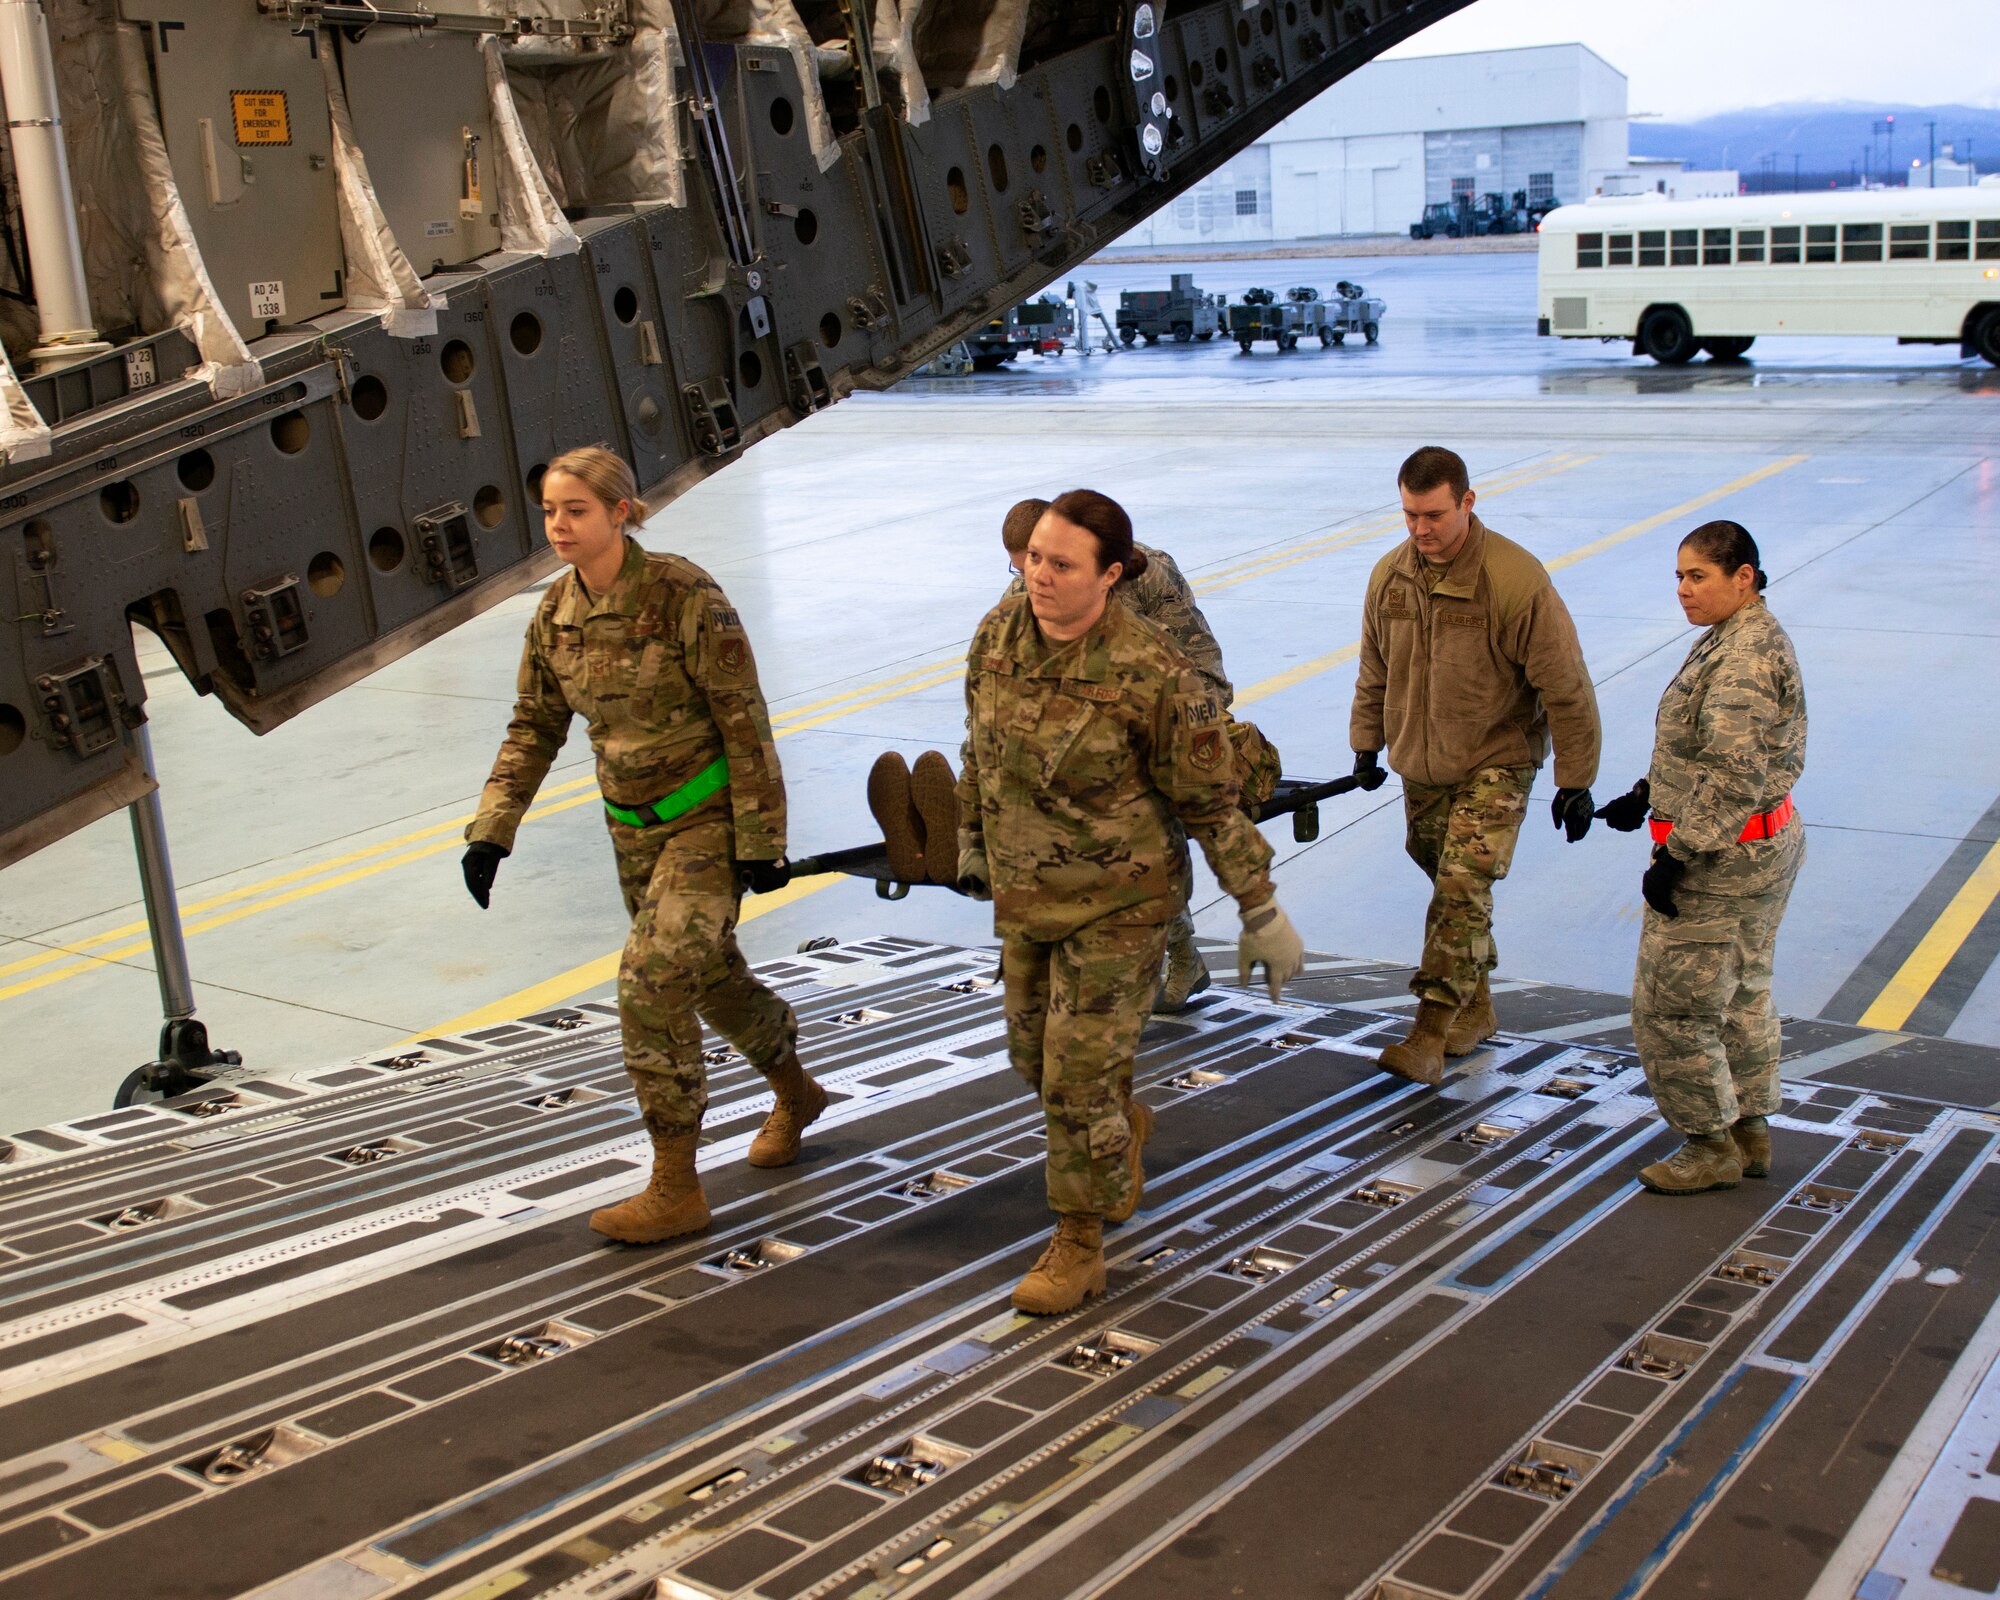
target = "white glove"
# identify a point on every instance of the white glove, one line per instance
(1269, 937)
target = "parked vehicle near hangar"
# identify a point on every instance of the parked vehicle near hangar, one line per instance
(1181, 312)
(1463, 217)
(1681, 277)
(1262, 315)
(1355, 311)
(1043, 326)
(1303, 314)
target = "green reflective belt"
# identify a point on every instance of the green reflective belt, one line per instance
(712, 779)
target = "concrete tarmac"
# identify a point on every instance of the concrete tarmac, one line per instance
(319, 865)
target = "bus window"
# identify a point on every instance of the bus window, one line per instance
(1989, 241)
(1590, 249)
(1861, 241)
(1910, 241)
(1785, 245)
(1820, 242)
(1749, 244)
(1653, 248)
(1954, 241)
(1715, 247)
(1684, 252)
(1621, 250)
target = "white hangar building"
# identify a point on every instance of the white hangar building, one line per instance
(1369, 154)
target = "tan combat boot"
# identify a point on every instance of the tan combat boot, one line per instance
(1752, 1137)
(896, 814)
(1474, 1024)
(671, 1205)
(1186, 975)
(1420, 1057)
(1071, 1268)
(1140, 1115)
(934, 792)
(1707, 1161)
(800, 1100)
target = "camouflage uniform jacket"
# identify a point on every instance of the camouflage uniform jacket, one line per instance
(1078, 758)
(1730, 742)
(1471, 672)
(660, 669)
(1162, 596)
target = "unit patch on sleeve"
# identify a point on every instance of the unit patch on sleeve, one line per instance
(1207, 749)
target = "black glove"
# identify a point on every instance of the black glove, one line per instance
(1572, 810)
(762, 877)
(1628, 812)
(1662, 877)
(1368, 768)
(479, 863)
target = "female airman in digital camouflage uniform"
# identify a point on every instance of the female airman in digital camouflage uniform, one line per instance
(649, 651)
(1729, 744)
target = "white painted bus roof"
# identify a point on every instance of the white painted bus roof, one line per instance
(1843, 205)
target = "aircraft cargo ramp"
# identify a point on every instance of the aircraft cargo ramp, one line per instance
(345, 1333)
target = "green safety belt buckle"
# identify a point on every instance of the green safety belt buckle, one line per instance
(712, 779)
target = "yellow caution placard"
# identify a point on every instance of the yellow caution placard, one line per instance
(261, 116)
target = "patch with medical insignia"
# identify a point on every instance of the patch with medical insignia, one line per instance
(1208, 749)
(734, 655)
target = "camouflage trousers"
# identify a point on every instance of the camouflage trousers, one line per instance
(681, 968)
(1702, 1013)
(1075, 1010)
(1462, 835)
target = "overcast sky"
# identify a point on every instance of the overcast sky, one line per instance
(1686, 58)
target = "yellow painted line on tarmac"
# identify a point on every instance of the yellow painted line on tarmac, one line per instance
(1685, 508)
(595, 974)
(1292, 677)
(1277, 561)
(1906, 990)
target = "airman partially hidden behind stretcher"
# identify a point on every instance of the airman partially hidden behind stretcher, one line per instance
(1161, 595)
(649, 651)
(1090, 735)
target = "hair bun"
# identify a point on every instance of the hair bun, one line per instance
(1763, 579)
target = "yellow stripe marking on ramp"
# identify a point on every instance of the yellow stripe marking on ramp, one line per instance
(595, 974)
(1906, 990)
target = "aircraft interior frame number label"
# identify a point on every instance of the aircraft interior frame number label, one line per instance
(141, 370)
(261, 116)
(267, 300)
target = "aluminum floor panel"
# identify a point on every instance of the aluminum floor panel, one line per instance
(347, 1334)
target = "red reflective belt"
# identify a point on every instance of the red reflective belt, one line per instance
(1763, 825)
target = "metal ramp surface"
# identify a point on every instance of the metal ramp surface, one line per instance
(345, 1333)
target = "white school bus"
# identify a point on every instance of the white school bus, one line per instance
(1681, 276)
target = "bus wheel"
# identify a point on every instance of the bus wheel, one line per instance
(1986, 340)
(1667, 336)
(1727, 349)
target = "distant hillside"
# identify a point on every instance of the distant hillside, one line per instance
(1824, 136)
